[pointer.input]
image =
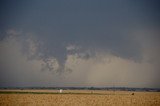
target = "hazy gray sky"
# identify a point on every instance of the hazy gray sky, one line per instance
(99, 43)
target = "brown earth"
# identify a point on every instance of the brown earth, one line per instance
(79, 98)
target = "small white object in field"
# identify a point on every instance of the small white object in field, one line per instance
(60, 91)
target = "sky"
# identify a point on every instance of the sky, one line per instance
(80, 43)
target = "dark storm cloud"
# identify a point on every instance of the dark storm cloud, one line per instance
(92, 24)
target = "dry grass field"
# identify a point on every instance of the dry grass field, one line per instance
(78, 98)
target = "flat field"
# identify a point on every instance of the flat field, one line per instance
(78, 98)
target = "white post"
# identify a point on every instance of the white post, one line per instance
(60, 91)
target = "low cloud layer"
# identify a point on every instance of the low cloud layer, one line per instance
(24, 63)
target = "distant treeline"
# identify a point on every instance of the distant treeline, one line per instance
(88, 88)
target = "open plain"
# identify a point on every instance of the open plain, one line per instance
(78, 98)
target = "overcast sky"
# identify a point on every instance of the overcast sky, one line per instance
(80, 43)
